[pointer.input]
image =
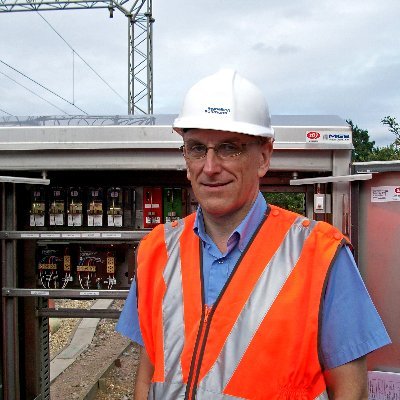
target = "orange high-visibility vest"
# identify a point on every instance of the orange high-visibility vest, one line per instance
(260, 338)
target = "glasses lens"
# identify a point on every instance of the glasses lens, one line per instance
(226, 150)
(196, 150)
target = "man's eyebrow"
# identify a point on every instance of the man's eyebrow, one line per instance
(227, 140)
(192, 141)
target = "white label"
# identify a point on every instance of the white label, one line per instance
(152, 205)
(29, 235)
(115, 220)
(327, 137)
(36, 220)
(56, 219)
(39, 292)
(384, 194)
(91, 235)
(71, 235)
(383, 386)
(111, 235)
(74, 219)
(89, 293)
(49, 235)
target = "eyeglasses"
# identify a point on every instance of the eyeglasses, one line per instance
(224, 151)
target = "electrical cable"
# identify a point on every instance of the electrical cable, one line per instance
(87, 64)
(44, 87)
(29, 90)
(5, 112)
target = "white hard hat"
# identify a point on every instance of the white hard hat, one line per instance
(228, 102)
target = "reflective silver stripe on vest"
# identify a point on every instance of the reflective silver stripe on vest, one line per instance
(261, 299)
(322, 396)
(202, 394)
(166, 391)
(172, 307)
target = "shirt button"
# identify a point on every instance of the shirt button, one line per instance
(220, 261)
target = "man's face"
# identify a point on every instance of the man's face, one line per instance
(226, 186)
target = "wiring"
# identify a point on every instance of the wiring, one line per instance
(87, 64)
(42, 86)
(5, 112)
(31, 91)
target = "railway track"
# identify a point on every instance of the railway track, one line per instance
(105, 369)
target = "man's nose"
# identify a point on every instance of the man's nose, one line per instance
(212, 162)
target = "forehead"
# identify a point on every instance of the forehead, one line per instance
(209, 135)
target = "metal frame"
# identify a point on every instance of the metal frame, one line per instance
(11, 293)
(10, 362)
(140, 40)
(147, 144)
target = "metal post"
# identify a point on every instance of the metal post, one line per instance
(44, 352)
(131, 86)
(140, 60)
(150, 21)
(10, 338)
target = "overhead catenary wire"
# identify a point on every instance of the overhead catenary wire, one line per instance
(87, 64)
(42, 86)
(31, 91)
(5, 112)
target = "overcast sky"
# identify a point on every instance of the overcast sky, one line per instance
(309, 57)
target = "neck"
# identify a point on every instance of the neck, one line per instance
(220, 227)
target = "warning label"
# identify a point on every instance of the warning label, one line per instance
(382, 194)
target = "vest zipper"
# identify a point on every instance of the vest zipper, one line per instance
(197, 356)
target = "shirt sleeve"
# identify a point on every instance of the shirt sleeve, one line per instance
(351, 326)
(128, 322)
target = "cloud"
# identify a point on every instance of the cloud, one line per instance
(333, 57)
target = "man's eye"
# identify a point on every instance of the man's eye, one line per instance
(197, 148)
(228, 148)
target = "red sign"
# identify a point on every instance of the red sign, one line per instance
(313, 135)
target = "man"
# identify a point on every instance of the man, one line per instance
(244, 300)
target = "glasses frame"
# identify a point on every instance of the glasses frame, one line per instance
(243, 147)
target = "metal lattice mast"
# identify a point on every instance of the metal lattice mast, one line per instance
(140, 70)
(140, 40)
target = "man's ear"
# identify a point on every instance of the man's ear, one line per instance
(265, 157)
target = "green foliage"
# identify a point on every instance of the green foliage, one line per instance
(365, 149)
(363, 146)
(393, 127)
(290, 201)
(386, 153)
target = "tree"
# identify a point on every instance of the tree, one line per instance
(394, 128)
(363, 146)
(365, 149)
(290, 201)
(385, 153)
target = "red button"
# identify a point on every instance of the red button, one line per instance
(306, 223)
(275, 212)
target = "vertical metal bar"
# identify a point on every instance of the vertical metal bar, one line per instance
(131, 88)
(355, 216)
(140, 59)
(150, 21)
(44, 352)
(9, 304)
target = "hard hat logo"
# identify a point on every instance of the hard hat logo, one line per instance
(217, 110)
(237, 105)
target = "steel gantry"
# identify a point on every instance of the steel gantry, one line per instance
(140, 40)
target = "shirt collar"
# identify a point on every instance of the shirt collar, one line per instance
(244, 231)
